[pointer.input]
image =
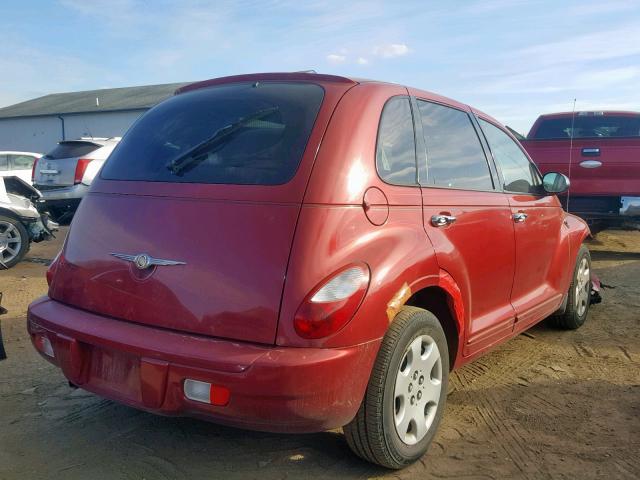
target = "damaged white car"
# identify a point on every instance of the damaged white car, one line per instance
(20, 220)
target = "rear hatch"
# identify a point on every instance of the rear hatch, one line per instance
(58, 167)
(604, 154)
(210, 181)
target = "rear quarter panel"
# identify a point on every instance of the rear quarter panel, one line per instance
(334, 231)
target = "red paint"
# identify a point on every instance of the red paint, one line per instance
(255, 255)
(619, 172)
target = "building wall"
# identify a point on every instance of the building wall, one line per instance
(40, 134)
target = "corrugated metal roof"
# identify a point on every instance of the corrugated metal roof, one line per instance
(110, 99)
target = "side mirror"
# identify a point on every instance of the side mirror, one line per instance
(555, 183)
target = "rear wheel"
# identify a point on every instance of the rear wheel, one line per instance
(14, 241)
(578, 296)
(405, 398)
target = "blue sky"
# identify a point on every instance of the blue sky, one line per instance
(512, 59)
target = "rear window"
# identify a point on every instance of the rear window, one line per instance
(71, 149)
(245, 133)
(588, 126)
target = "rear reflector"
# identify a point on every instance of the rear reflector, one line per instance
(43, 344)
(206, 393)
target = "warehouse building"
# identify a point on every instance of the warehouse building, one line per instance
(37, 125)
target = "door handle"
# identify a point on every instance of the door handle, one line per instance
(591, 152)
(442, 220)
(519, 217)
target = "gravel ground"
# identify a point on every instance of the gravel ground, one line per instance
(548, 404)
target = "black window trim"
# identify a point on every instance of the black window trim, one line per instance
(497, 164)
(415, 143)
(497, 185)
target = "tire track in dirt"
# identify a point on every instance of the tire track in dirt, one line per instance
(507, 433)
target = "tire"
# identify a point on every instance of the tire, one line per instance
(578, 296)
(14, 241)
(373, 434)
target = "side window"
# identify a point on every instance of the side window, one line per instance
(518, 173)
(21, 162)
(4, 164)
(455, 158)
(396, 149)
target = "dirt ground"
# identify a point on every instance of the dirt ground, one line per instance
(548, 404)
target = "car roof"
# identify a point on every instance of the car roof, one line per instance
(323, 78)
(605, 113)
(14, 152)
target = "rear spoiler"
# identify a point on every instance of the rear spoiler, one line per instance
(265, 77)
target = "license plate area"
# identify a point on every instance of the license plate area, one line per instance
(116, 372)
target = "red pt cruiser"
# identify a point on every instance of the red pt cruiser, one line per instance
(297, 252)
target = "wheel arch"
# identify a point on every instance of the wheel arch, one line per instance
(442, 297)
(8, 213)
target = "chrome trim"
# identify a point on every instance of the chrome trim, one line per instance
(143, 261)
(520, 217)
(591, 164)
(442, 220)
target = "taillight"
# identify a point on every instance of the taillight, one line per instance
(81, 167)
(51, 271)
(331, 305)
(33, 170)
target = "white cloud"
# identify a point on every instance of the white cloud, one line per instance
(391, 50)
(335, 58)
(362, 61)
(622, 41)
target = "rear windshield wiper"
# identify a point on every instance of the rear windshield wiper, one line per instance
(195, 155)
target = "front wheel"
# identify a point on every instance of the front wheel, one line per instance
(14, 241)
(405, 398)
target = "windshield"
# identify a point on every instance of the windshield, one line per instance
(249, 133)
(593, 126)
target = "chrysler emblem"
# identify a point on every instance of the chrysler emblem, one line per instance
(142, 261)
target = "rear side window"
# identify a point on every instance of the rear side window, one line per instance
(244, 133)
(455, 158)
(71, 149)
(396, 149)
(21, 162)
(588, 126)
(518, 173)
(4, 163)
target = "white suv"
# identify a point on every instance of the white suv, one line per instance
(19, 164)
(64, 175)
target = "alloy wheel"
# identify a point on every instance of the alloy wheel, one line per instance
(583, 286)
(417, 389)
(10, 242)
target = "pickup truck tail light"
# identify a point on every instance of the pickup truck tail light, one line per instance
(81, 167)
(332, 304)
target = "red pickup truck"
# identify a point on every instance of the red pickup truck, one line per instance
(603, 149)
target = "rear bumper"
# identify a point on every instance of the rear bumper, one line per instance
(74, 192)
(603, 207)
(630, 206)
(272, 388)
